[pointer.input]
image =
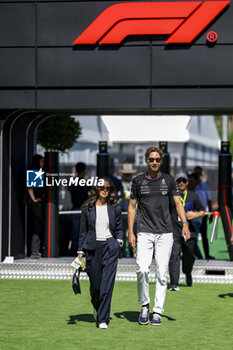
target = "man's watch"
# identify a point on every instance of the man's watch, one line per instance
(185, 222)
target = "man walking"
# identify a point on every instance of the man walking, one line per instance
(152, 192)
(194, 209)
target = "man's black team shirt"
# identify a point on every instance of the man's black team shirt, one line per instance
(153, 196)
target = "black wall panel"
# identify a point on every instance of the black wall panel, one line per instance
(128, 66)
(36, 55)
(59, 24)
(17, 24)
(193, 100)
(195, 66)
(94, 99)
(15, 99)
(17, 67)
(15, 1)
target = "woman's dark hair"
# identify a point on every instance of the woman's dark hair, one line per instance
(112, 196)
(36, 161)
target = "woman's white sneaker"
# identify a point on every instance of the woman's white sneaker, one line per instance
(103, 326)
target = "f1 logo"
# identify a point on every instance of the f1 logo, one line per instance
(183, 20)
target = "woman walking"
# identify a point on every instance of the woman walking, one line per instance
(101, 235)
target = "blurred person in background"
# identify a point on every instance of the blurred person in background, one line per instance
(127, 172)
(79, 194)
(203, 191)
(117, 182)
(192, 182)
(36, 207)
(194, 209)
(100, 238)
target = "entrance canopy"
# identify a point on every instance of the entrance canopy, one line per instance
(176, 128)
(146, 128)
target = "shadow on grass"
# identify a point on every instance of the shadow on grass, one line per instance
(74, 319)
(168, 318)
(226, 295)
(83, 317)
(132, 316)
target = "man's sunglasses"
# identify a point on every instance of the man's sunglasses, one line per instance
(103, 188)
(157, 160)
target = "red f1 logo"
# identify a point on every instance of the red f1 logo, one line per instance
(184, 20)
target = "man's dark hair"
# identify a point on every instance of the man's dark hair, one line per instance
(80, 167)
(153, 149)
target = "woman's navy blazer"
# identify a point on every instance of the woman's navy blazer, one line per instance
(87, 234)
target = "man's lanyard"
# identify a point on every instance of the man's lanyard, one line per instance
(183, 200)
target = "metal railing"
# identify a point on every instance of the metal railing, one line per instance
(215, 214)
(72, 212)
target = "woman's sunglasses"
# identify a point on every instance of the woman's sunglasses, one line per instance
(104, 188)
(157, 160)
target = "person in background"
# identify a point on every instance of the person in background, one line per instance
(36, 201)
(100, 238)
(116, 182)
(194, 209)
(79, 194)
(232, 213)
(152, 192)
(202, 190)
(127, 173)
(192, 182)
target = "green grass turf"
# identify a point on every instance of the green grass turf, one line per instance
(41, 314)
(218, 248)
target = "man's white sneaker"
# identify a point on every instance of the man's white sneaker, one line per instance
(144, 315)
(156, 320)
(103, 326)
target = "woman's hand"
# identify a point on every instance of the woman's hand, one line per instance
(80, 255)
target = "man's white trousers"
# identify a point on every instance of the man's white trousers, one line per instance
(161, 244)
